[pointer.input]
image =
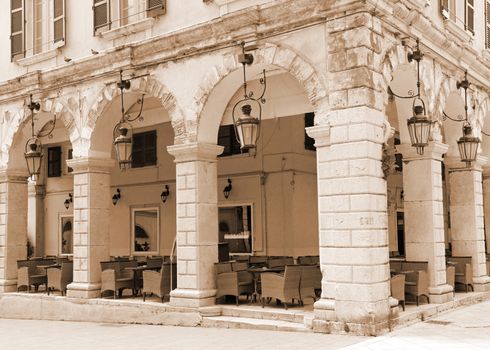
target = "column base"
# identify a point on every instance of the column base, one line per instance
(192, 298)
(83, 290)
(441, 294)
(327, 320)
(481, 284)
(7, 286)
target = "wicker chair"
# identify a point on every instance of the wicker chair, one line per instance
(115, 278)
(451, 277)
(397, 285)
(308, 281)
(235, 283)
(282, 287)
(59, 277)
(30, 274)
(417, 285)
(158, 282)
(464, 275)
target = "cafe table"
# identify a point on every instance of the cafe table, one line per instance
(137, 273)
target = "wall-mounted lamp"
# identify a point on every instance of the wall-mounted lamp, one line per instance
(227, 189)
(116, 196)
(165, 193)
(68, 201)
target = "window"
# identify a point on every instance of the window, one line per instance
(54, 161)
(37, 26)
(462, 13)
(227, 139)
(309, 141)
(144, 151)
(235, 228)
(110, 14)
(66, 234)
(487, 24)
(70, 156)
(145, 231)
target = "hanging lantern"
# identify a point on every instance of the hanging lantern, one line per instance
(247, 128)
(419, 127)
(33, 155)
(468, 145)
(123, 144)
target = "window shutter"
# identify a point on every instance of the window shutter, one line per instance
(17, 43)
(155, 7)
(470, 13)
(487, 24)
(59, 21)
(444, 5)
(101, 14)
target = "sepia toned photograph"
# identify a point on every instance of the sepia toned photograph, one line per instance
(245, 174)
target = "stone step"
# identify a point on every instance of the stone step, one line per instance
(264, 313)
(253, 323)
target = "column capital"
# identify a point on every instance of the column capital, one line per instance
(9, 175)
(195, 151)
(434, 151)
(321, 134)
(82, 165)
(455, 164)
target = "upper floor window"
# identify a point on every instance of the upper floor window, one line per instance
(460, 12)
(309, 141)
(227, 139)
(144, 151)
(36, 26)
(487, 24)
(110, 14)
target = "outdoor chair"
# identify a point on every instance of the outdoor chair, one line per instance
(158, 282)
(451, 277)
(235, 283)
(283, 287)
(464, 275)
(417, 285)
(154, 262)
(29, 273)
(59, 277)
(397, 285)
(258, 261)
(115, 278)
(308, 281)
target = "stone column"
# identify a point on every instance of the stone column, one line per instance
(91, 218)
(13, 227)
(197, 223)
(35, 219)
(466, 209)
(486, 206)
(352, 223)
(424, 216)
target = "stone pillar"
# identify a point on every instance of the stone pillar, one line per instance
(13, 227)
(35, 218)
(466, 209)
(486, 206)
(424, 215)
(197, 223)
(91, 218)
(352, 223)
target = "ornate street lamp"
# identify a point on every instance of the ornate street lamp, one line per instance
(165, 193)
(419, 125)
(123, 131)
(33, 148)
(247, 126)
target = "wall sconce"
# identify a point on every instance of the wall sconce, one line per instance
(68, 201)
(165, 193)
(116, 196)
(227, 189)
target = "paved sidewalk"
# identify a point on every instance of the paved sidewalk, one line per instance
(465, 328)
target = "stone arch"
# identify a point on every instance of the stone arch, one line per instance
(15, 118)
(147, 85)
(269, 54)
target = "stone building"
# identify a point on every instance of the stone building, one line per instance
(348, 199)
